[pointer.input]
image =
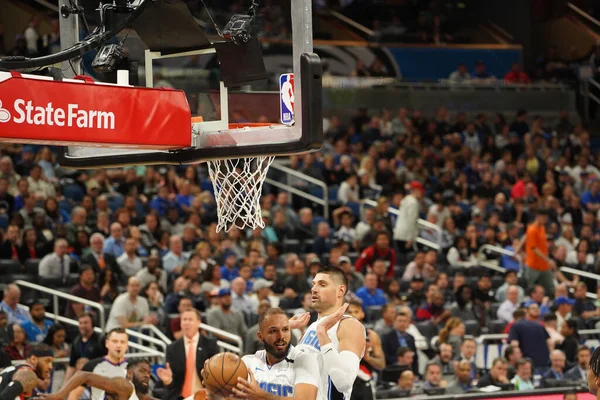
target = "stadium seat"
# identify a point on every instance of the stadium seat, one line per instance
(9, 267)
(373, 313)
(473, 327)
(32, 267)
(291, 246)
(427, 329)
(494, 309)
(497, 326)
(333, 193)
(73, 192)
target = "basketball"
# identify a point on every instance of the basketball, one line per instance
(221, 373)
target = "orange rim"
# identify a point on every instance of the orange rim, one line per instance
(240, 125)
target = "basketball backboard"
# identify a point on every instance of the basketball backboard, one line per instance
(218, 139)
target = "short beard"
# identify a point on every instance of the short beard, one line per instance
(139, 388)
(280, 355)
(226, 306)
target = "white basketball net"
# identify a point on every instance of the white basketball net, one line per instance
(238, 185)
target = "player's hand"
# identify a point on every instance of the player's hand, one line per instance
(165, 375)
(299, 321)
(248, 390)
(328, 322)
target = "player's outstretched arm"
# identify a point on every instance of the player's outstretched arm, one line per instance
(114, 386)
(24, 381)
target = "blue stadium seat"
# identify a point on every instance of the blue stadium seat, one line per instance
(316, 191)
(73, 192)
(333, 192)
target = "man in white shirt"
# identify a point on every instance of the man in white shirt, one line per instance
(129, 262)
(175, 259)
(57, 264)
(130, 310)
(563, 310)
(508, 307)
(406, 230)
(239, 299)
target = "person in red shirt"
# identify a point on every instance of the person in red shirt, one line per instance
(515, 75)
(381, 250)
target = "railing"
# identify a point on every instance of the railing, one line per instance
(292, 190)
(500, 250)
(240, 344)
(585, 275)
(147, 351)
(56, 294)
(583, 14)
(422, 223)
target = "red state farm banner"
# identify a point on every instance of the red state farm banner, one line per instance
(74, 112)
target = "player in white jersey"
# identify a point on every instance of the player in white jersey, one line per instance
(336, 339)
(134, 387)
(281, 370)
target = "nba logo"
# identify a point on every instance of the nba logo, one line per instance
(286, 90)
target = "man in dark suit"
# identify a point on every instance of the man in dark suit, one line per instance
(557, 369)
(99, 260)
(185, 359)
(579, 372)
(398, 337)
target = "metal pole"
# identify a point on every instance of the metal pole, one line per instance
(586, 100)
(55, 304)
(69, 35)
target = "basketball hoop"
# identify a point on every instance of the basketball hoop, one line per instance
(237, 183)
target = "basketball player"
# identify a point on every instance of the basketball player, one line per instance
(18, 381)
(280, 370)
(336, 339)
(134, 387)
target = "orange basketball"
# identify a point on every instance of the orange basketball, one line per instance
(221, 373)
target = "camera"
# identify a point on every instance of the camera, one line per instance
(108, 58)
(239, 29)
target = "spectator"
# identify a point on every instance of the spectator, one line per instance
(10, 305)
(223, 317)
(56, 340)
(419, 267)
(370, 294)
(115, 244)
(444, 359)
(85, 289)
(348, 191)
(37, 328)
(88, 344)
(510, 305)
(129, 262)
(9, 250)
(433, 377)
(580, 371)
(381, 250)
(460, 75)
(152, 273)
(463, 379)
(538, 267)
(240, 301)
(571, 342)
(406, 230)
(56, 265)
(515, 75)
(522, 379)
(496, 376)
(17, 348)
(385, 324)
(175, 259)
(185, 304)
(510, 279)
(563, 310)
(97, 258)
(322, 243)
(399, 337)
(583, 307)
(452, 333)
(467, 353)
(434, 311)
(512, 355)
(130, 310)
(557, 366)
(531, 337)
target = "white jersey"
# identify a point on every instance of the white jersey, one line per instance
(281, 378)
(310, 344)
(133, 396)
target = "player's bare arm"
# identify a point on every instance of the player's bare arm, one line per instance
(119, 387)
(251, 391)
(374, 352)
(26, 378)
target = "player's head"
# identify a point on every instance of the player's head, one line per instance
(594, 372)
(138, 372)
(274, 332)
(41, 358)
(329, 288)
(117, 343)
(355, 309)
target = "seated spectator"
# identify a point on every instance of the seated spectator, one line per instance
(522, 379)
(434, 311)
(460, 75)
(537, 295)
(462, 308)
(88, 344)
(129, 262)
(370, 294)
(416, 293)
(481, 75)
(399, 337)
(381, 250)
(37, 328)
(418, 267)
(17, 348)
(452, 333)
(463, 379)
(510, 305)
(322, 243)
(405, 357)
(583, 307)
(156, 302)
(56, 265)
(10, 305)
(130, 310)
(512, 355)
(240, 301)
(515, 75)
(185, 304)
(97, 258)
(510, 279)
(56, 340)
(348, 191)
(496, 376)
(223, 317)
(175, 259)
(550, 323)
(115, 243)
(467, 353)
(85, 289)
(557, 366)
(386, 323)
(444, 359)
(482, 292)
(152, 273)
(433, 377)
(442, 282)
(580, 371)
